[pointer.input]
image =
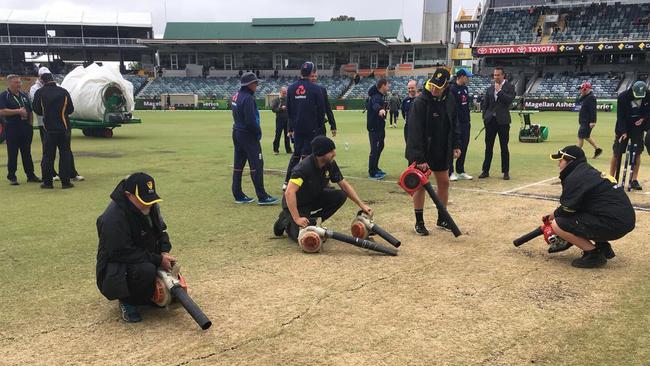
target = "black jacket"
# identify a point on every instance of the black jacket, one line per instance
(587, 113)
(624, 122)
(585, 189)
(499, 108)
(328, 110)
(306, 107)
(418, 143)
(374, 104)
(55, 105)
(126, 237)
(280, 115)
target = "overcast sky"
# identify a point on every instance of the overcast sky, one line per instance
(410, 11)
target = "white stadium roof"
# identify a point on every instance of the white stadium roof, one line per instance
(79, 17)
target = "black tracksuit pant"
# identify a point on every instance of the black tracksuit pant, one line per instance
(281, 130)
(465, 129)
(73, 169)
(376, 138)
(140, 279)
(53, 141)
(328, 202)
(19, 139)
(492, 129)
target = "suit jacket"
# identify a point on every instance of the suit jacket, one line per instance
(499, 108)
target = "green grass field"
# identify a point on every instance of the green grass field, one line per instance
(471, 300)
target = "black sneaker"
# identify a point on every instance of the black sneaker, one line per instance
(635, 185)
(130, 313)
(442, 224)
(590, 259)
(484, 175)
(420, 229)
(605, 248)
(598, 152)
(281, 224)
(13, 182)
(67, 186)
(34, 179)
(47, 186)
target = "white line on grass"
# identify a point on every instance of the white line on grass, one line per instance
(529, 185)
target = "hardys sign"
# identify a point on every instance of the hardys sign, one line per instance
(466, 26)
(512, 50)
(564, 105)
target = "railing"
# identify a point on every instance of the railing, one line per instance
(69, 41)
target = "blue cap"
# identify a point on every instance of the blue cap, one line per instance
(463, 72)
(307, 68)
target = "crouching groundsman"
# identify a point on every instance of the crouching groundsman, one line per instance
(133, 243)
(308, 195)
(593, 208)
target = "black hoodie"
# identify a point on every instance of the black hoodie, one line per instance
(126, 236)
(585, 189)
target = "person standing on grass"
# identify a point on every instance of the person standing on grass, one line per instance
(279, 107)
(41, 128)
(496, 118)
(587, 117)
(306, 107)
(411, 89)
(17, 112)
(376, 126)
(246, 136)
(394, 105)
(133, 244)
(463, 102)
(54, 104)
(433, 139)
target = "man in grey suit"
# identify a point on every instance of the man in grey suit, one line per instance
(496, 118)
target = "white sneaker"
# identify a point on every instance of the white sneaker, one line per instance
(465, 176)
(56, 178)
(453, 177)
(78, 178)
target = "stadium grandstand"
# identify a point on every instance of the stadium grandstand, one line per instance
(548, 47)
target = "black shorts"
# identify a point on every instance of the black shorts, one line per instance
(620, 147)
(588, 226)
(584, 132)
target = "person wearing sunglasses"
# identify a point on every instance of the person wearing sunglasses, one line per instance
(433, 138)
(593, 211)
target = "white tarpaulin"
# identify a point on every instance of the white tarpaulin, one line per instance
(86, 87)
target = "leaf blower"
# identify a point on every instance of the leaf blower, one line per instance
(556, 244)
(170, 286)
(412, 179)
(311, 238)
(363, 226)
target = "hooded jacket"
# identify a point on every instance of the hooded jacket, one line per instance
(418, 145)
(374, 104)
(245, 115)
(585, 189)
(587, 112)
(126, 236)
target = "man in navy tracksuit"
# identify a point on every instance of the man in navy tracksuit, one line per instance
(328, 109)
(306, 108)
(246, 135)
(376, 125)
(463, 103)
(411, 88)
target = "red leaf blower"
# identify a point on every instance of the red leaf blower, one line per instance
(412, 179)
(311, 238)
(556, 244)
(363, 226)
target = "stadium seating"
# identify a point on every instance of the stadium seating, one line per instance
(137, 81)
(509, 27)
(565, 86)
(602, 22)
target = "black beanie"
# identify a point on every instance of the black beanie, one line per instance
(321, 145)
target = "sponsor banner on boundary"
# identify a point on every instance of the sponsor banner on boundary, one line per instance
(515, 49)
(606, 105)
